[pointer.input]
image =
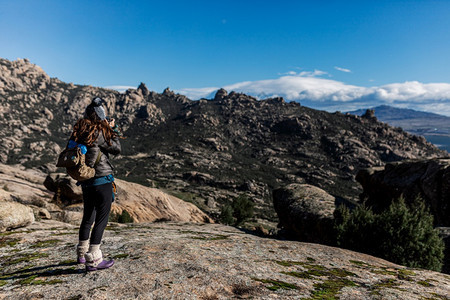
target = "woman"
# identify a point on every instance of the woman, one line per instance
(97, 133)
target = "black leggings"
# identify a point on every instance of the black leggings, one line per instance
(97, 205)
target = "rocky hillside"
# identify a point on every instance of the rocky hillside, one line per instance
(205, 151)
(169, 260)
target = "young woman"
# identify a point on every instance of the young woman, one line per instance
(98, 135)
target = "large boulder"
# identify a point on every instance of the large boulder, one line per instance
(429, 179)
(146, 204)
(66, 190)
(305, 212)
(14, 215)
(22, 185)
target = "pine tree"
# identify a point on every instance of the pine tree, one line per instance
(402, 234)
(242, 209)
(226, 215)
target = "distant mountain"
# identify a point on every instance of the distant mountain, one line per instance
(412, 121)
(435, 128)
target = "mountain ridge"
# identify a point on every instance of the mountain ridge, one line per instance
(434, 127)
(417, 122)
(206, 151)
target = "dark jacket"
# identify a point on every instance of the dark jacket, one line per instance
(104, 166)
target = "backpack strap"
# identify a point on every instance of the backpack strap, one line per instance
(98, 157)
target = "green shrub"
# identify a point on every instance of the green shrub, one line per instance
(123, 217)
(226, 215)
(243, 209)
(402, 234)
(353, 228)
(240, 210)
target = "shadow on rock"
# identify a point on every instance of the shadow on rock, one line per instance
(27, 276)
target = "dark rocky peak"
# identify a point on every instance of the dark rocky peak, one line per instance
(182, 99)
(240, 100)
(168, 92)
(240, 97)
(277, 100)
(369, 115)
(221, 94)
(144, 90)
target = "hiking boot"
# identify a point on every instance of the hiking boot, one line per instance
(105, 264)
(94, 259)
(81, 260)
(82, 248)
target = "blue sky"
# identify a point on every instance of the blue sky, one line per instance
(366, 52)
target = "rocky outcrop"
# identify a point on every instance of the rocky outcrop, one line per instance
(65, 189)
(429, 179)
(233, 139)
(220, 94)
(14, 215)
(22, 185)
(305, 212)
(146, 204)
(169, 260)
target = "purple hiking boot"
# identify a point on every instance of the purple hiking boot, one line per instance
(82, 248)
(81, 260)
(105, 264)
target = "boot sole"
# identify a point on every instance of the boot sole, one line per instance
(90, 269)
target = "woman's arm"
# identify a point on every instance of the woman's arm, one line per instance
(114, 148)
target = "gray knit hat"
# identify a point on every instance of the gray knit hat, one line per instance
(96, 107)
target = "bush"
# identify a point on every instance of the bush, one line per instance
(353, 228)
(401, 234)
(226, 215)
(240, 210)
(124, 217)
(243, 209)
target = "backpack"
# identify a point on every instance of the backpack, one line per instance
(74, 160)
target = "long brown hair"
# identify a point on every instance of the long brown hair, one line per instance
(86, 131)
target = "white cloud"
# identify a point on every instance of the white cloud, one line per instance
(120, 88)
(332, 95)
(343, 69)
(312, 74)
(197, 93)
(292, 73)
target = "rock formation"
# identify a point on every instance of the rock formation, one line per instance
(305, 212)
(146, 204)
(429, 179)
(14, 215)
(168, 260)
(66, 190)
